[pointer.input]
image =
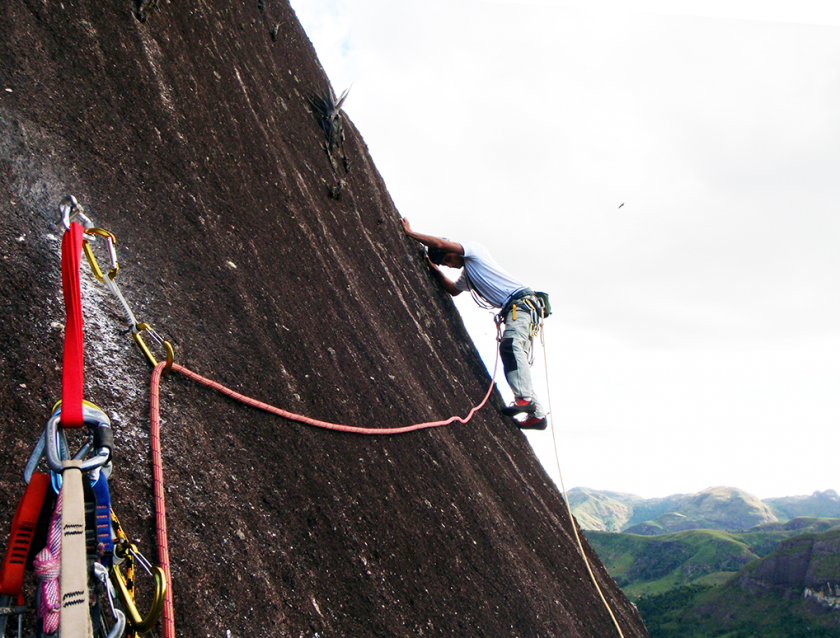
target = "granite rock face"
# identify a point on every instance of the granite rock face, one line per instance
(277, 266)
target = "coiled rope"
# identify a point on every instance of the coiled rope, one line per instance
(168, 616)
(565, 496)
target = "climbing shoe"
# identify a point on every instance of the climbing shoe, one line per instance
(520, 406)
(533, 423)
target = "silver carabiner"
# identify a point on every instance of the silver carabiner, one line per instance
(39, 450)
(101, 573)
(93, 417)
(70, 209)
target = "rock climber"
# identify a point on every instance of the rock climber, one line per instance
(493, 287)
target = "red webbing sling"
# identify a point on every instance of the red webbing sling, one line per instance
(74, 374)
(23, 531)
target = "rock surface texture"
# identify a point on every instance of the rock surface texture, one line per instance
(279, 269)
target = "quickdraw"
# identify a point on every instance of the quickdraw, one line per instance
(127, 553)
(137, 328)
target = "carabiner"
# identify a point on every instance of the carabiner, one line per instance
(7, 609)
(101, 573)
(103, 438)
(39, 450)
(170, 353)
(70, 209)
(135, 621)
(112, 253)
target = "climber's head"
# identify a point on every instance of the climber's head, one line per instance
(443, 258)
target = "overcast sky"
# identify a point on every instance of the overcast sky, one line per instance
(696, 334)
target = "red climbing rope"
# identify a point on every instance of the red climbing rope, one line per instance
(324, 424)
(168, 617)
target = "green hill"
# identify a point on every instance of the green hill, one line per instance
(819, 504)
(777, 580)
(615, 511)
(649, 565)
(645, 565)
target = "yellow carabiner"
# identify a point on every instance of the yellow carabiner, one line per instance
(135, 620)
(514, 312)
(112, 253)
(170, 353)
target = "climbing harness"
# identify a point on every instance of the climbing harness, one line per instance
(535, 304)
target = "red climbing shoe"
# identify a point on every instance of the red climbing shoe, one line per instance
(519, 406)
(533, 423)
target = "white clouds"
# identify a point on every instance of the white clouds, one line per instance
(524, 125)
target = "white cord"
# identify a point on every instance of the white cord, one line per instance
(563, 488)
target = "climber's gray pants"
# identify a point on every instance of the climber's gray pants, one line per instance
(514, 350)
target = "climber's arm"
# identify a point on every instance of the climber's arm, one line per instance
(445, 282)
(431, 241)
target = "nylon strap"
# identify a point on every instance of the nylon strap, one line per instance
(104, 536)
(72, 381)
(75, 611)
(23, 531)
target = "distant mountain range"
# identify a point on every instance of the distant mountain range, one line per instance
(715, 508)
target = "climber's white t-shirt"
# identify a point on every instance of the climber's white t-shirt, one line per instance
(488, 278)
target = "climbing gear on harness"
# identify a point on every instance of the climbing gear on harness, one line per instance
(21, 537)
(101, 574)
(536, 304)
(515, 297)
(79, 533)
(546, 304)
(136, 622)
(103, 438)
(518, 406)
